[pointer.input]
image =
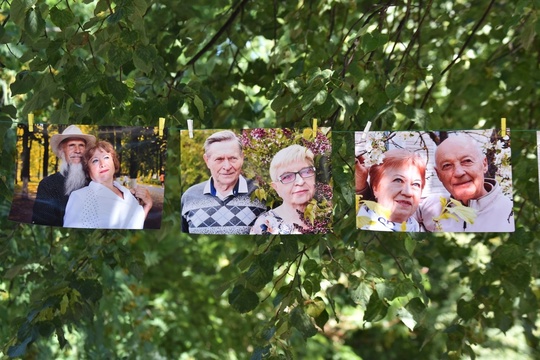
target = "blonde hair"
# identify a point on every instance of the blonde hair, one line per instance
(289, 155)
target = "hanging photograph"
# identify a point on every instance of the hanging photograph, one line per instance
(87, 176)
(256, 181)
(434, 181)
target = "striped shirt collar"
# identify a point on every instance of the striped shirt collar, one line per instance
(241, 187)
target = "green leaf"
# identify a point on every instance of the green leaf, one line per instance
(361, 294)
(89, 289)
(64, 303)
(507, 255)
(60, 116)
(410, 245)
(311, 266)
(376, 309)
(144, 57)
(416, 308)
(372, 41)
(315, 307)
(242, 299)
(61, 338)
(322, 319)
(199, 105)
(314, 96)
(13, 271)
(100, 107)
(136, 269)
(302, 322)
(407, 318)
(467, 309)
(393, 91)
(289, 249)
(281, 101)
(34, 24)
(24, 83)
(345, 100)
(258, 276)
(119, 55)
(18, 10)
(62, 17)
(117, 89)
(9, 110)
(455, 334)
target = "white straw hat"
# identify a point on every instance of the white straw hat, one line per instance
(71, 132)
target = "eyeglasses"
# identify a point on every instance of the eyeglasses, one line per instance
(289, 177)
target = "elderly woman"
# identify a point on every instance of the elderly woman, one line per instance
(104, 203)
(397, 184)
(293, 177)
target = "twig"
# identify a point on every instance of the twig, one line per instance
(214, 39)
(458, 56)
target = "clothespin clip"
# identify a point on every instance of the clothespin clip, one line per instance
(314, 128)
(30, 122)
(161, 126)
(190, 128)
(503, 127)
(366, 130)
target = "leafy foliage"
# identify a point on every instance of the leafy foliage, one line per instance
(442, 65)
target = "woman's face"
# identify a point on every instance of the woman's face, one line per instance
(101, 167)
(300, 190)
(399, 191)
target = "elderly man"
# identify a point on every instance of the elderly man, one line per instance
(460, 166)
(222, 204)
(54, 190)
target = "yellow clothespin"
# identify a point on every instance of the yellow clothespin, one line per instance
(30, 122)
(190, 128)
(503, 127)
(161, 125)
(366, 130)
(314, 128)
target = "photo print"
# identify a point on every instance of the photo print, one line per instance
(434, 181)
(256, 181)
(88, 176)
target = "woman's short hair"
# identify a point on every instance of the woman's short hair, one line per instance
(289, 155)
(106, 147)
(394, 159)
(225, 135)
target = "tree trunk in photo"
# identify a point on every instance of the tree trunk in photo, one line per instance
(45, 160)
(25, 156)
(133, 155)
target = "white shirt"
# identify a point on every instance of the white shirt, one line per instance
(98, 207)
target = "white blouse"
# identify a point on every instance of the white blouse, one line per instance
(98, 207)
(380, 223)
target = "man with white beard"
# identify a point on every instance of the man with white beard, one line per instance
(54, 190)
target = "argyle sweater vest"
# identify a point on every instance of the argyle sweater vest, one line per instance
(208, 214)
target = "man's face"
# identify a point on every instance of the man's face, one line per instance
(461, 166)
(74, 150)
(225, 160)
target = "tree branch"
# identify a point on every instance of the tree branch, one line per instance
(214, 39)
(458, 56)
